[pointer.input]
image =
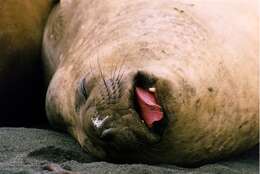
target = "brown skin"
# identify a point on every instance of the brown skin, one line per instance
(21, 75)
(205, 76)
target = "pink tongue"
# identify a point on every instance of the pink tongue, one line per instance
(150, 110)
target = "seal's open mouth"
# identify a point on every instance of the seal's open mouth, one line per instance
(150, 110)
(147, 105)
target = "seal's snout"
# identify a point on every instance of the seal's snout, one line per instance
(130, 113)
(124, 114)
(121, 131)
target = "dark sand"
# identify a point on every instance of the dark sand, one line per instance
(27, 151)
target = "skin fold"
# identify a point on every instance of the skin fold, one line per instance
(200, 56)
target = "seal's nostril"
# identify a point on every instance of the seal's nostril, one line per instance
(108, 134)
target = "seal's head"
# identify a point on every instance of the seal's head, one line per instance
(121, 114)
(180, 100)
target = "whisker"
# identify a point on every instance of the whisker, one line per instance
(118, 66)
(114, 71)
(121, 77)
(103, 78)
(120, 69)
(101, 73)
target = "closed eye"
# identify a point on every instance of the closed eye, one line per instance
(82, 88)
(81, 94)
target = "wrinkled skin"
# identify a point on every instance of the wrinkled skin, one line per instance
(200, 57)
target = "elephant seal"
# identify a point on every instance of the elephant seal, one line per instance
(154, 81)
(21, 75)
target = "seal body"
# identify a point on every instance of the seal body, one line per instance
(21, 76)
(199, 59)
